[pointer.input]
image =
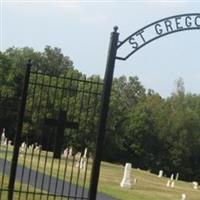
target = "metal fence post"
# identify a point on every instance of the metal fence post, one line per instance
(18, 132)
(108, 78)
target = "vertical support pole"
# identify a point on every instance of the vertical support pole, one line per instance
(108, 78)
(18, 132)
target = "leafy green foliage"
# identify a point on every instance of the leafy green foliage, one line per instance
(143, 128)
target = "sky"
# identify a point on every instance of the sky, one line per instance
(82, 30)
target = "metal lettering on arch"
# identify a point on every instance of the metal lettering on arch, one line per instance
(122, 50)
(156, 30)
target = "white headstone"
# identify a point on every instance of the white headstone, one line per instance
(172, 184)
(168, 183)
(23, 145)
(22, 148)
(85, 153)
(195, 185)
(70, 152)
(126, 181)
(66, 152)
(183, 196)
(177, 176)
(160, 173)
(38, 148)
(9, 143)
(78, 157)
(3, 137)
(5, 142)
(81, 163)
(172, 177)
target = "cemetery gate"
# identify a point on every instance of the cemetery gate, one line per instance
(54, 136)
(62, 111)
(122, 50)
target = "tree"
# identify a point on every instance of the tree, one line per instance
(126, 93)
(179, 87)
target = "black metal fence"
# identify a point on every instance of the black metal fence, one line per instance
(57, 138)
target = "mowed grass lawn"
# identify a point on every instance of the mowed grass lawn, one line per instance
(148, 186)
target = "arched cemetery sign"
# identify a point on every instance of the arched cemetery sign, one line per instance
(122, 50)
(158, 29)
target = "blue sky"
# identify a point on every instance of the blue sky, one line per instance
(82, 30)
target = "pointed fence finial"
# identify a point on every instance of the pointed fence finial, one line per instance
(115, 28)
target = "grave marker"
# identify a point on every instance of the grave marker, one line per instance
(65, 153)
(78, 157)
(183, 196)
(168, 183)
(85, 153)
(160, 173)
(177, 176)
(172, 184)
(126, 181)
(61, 125)
(70, 152)
(3, 137)
(172, 177)
(195, 185)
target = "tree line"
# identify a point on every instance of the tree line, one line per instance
(150, 131)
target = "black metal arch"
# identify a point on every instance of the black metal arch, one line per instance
(121, 43)
(114, 46)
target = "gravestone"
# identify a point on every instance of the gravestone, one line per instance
(70, 152)
(126, 181)
(177, 176)
(168, 183)
(81, 163)
(172, 177)
(160, 173)
(5, 142)
(172, 184)
(83, 160)
(23, 145)
(183, 196)
(77, 158)
(195, 185)
(38, 148)
(65, 153)
(22, 148)
(3, 137)
(9, 143)
(85, 153)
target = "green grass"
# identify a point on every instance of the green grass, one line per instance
(148, 186)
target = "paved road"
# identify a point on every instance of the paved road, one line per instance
(52, 185)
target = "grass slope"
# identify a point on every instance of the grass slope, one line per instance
(148, 186)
